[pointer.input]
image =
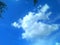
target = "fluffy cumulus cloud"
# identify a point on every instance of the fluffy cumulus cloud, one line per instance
(32, 27)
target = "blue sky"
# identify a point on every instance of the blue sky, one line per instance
(18, 9)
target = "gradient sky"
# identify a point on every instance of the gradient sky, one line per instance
(17, 9)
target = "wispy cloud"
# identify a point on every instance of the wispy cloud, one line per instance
(34, 29)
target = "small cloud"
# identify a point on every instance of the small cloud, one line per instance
(34, 30)
(16, 25)
(32, 27)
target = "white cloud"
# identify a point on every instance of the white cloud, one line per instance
(15, 24)
(33, 28)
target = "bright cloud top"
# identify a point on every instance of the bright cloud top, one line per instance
(32, 27)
